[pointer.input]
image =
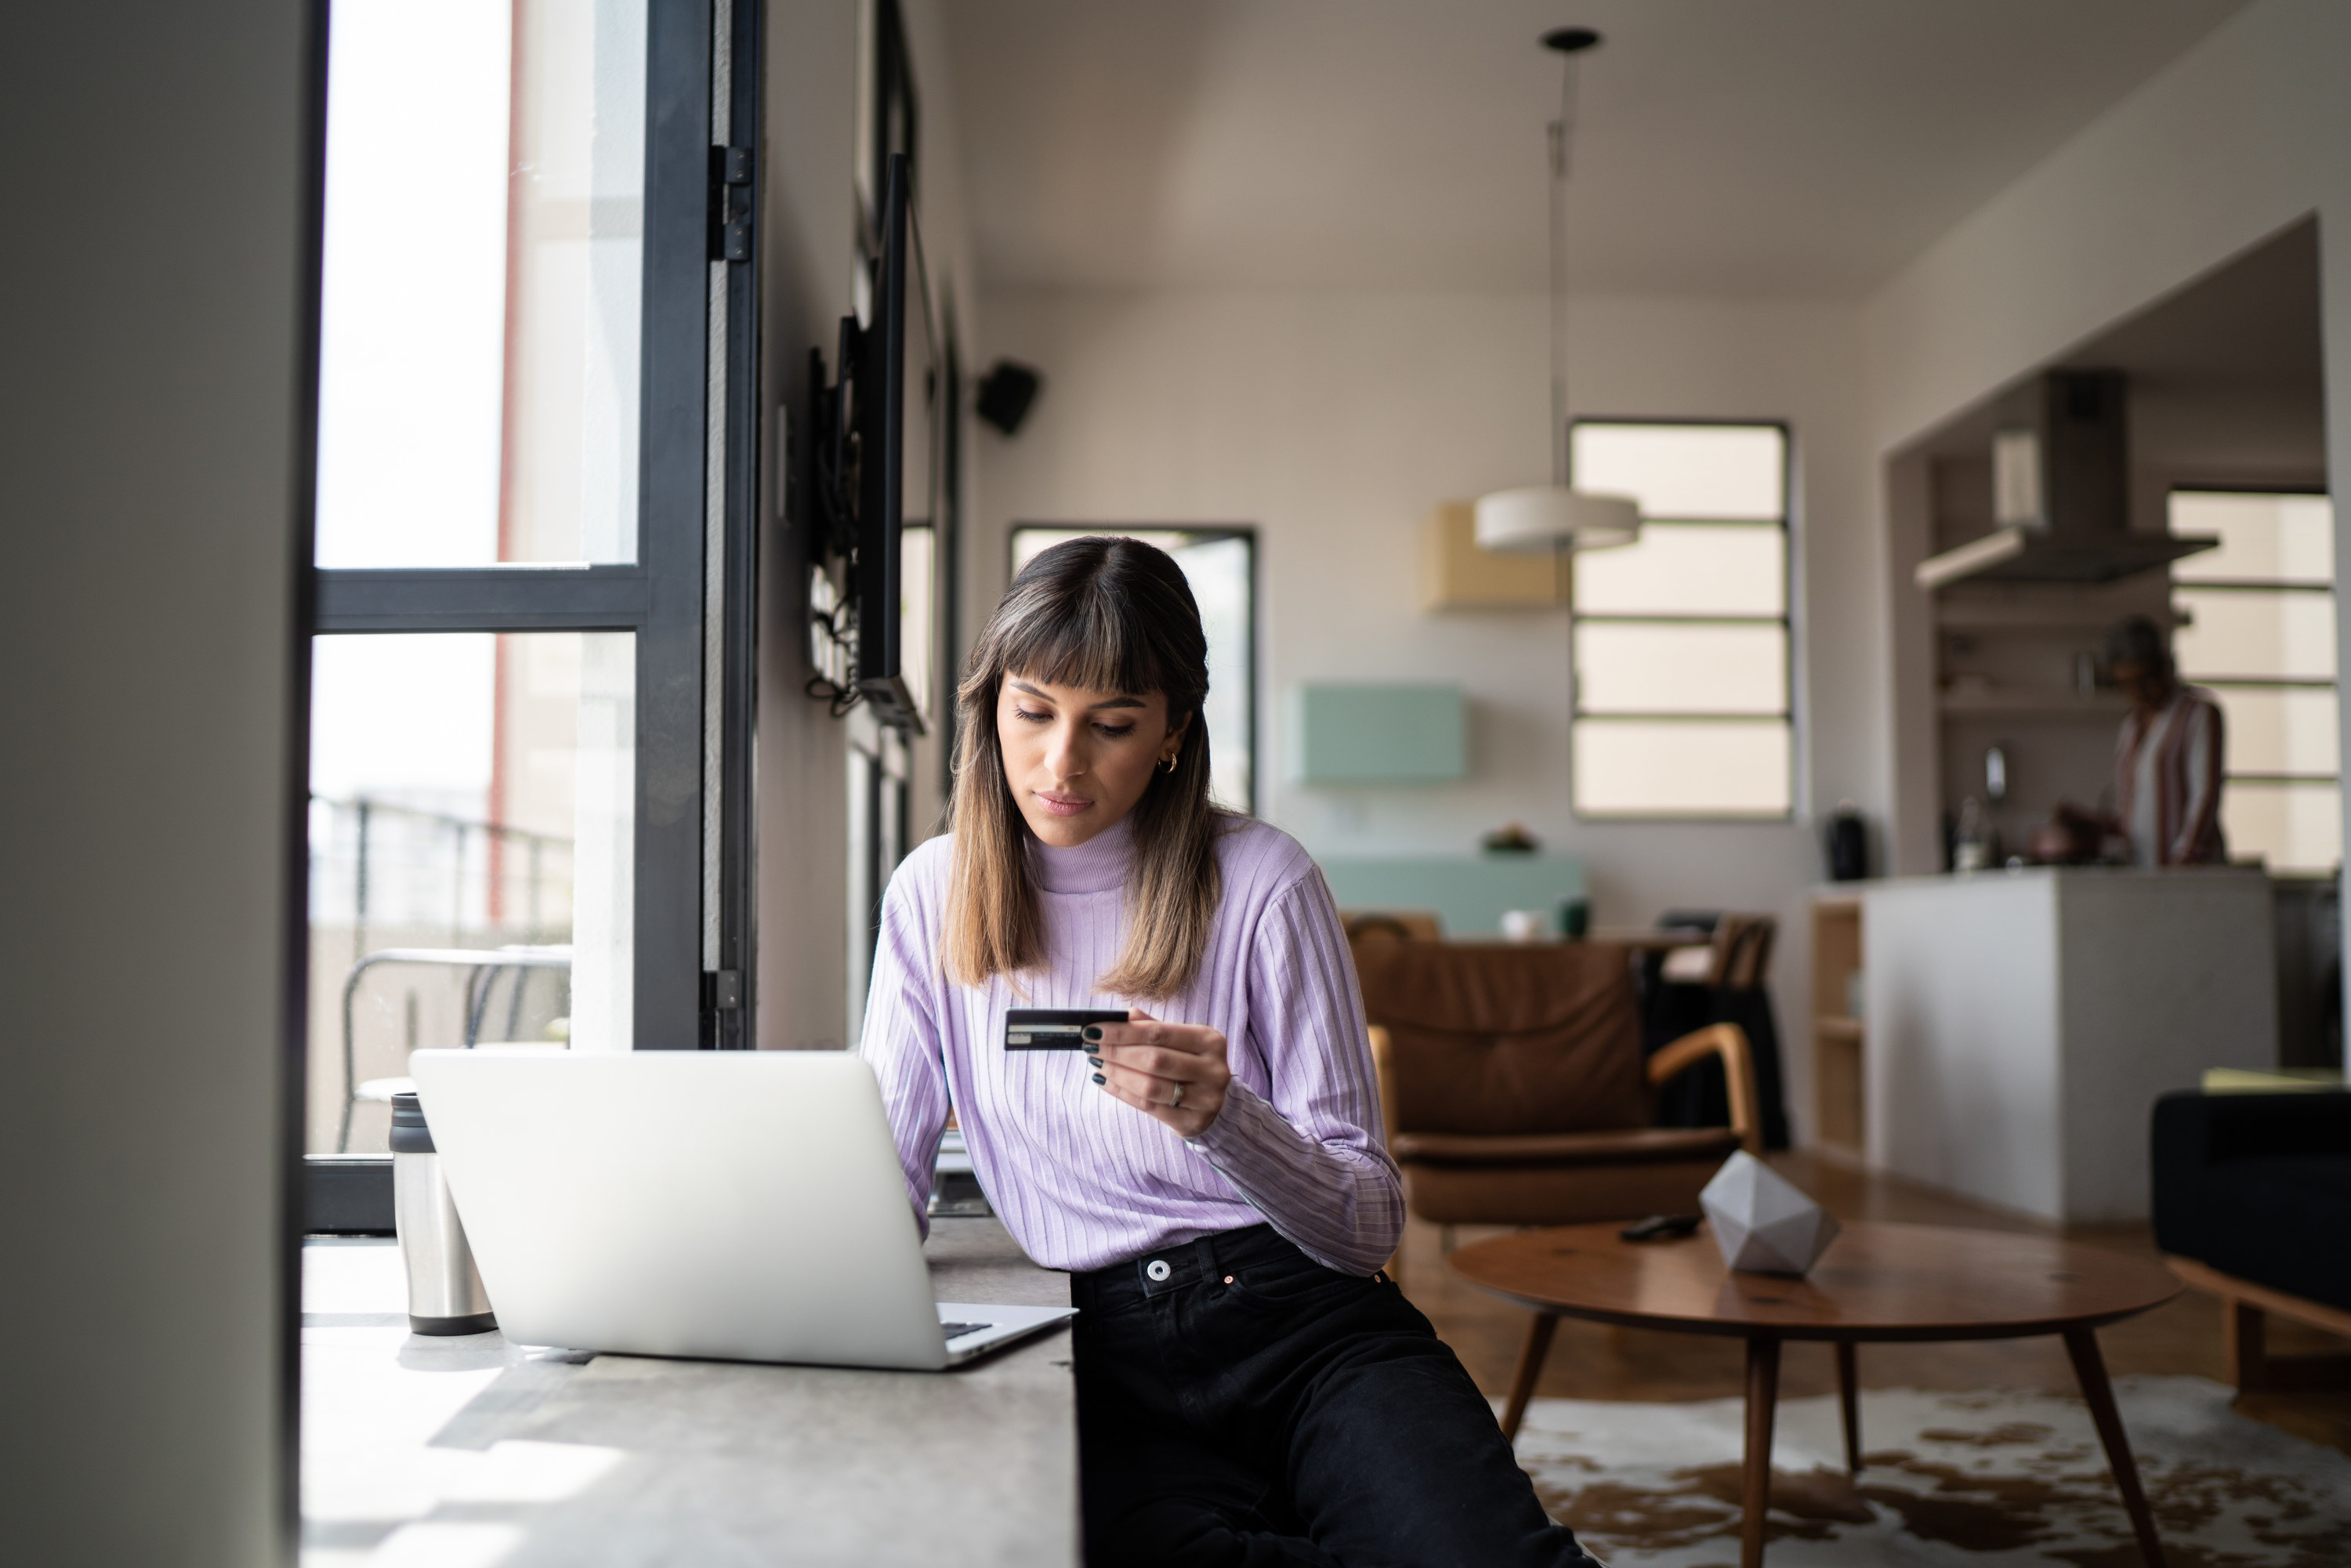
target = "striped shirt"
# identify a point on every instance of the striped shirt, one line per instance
(1080, 1178)
(2167, 782)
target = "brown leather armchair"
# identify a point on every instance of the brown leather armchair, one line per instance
(1514, 1090)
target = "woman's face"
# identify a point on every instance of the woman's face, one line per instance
(2148, 687)
(1078, 761)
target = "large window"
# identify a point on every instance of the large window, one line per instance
(2257, 627)
(1680, 640)
(1220, 565)
(530, 759)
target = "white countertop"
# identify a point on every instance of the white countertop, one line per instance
(2004, 873)
(468, 1452)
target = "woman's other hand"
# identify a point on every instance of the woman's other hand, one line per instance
(1174, 1073)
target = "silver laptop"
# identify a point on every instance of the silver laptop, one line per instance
(747, 1206)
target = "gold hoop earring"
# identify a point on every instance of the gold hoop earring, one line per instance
(1169, 767)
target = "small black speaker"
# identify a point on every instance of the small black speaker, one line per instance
(1006, 392)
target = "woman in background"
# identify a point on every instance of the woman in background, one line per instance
(2168, 758)
(1251, 1388)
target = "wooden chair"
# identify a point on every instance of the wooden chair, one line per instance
(1736, 959)
(1742, 952)
(1514, 1092)
(1392, 924)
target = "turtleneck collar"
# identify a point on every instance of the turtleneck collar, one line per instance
(1098, 866)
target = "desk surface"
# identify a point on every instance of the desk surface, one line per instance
(472, 1448)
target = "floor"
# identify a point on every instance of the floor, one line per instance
(1592, 1361)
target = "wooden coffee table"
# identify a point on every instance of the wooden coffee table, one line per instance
(1876, 1283)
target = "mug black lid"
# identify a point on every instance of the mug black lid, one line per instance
(410, 1136)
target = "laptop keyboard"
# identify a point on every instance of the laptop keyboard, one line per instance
(957, 1331)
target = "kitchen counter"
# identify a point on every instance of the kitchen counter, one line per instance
(2021, 1024)
(471, 1451)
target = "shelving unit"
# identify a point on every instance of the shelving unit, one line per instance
(2028, 704)
(1837, 1034)
(2040, 614)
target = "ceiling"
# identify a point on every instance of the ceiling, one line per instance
(1803, 148)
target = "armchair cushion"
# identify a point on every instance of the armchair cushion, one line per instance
(1509, 1040)
(1637, 1145)
(2258, 1186)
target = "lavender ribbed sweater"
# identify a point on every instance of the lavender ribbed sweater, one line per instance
(1082, 1180)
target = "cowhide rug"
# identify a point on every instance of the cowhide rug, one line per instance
(1955, 1481)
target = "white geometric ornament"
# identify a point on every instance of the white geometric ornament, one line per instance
(1763, 1224)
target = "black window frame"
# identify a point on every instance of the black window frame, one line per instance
(694, 648)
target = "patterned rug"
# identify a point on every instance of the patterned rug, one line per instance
(1954, 1480)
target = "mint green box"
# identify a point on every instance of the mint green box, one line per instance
(1469, 893)
(1380, 735)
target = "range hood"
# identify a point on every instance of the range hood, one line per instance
(2060, 494)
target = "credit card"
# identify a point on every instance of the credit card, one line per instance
(1053, 1028)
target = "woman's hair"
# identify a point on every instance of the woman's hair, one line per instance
(2134, 640)
(1109, 615)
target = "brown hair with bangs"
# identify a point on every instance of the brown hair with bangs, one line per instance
(1109, 615)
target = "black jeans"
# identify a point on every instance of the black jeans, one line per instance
(1252, 1408)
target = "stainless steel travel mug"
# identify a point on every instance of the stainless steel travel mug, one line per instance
(444, 1290)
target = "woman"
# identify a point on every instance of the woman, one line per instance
(2169, 760)
(1252, 1389)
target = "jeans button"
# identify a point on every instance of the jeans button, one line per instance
(1158, 1271)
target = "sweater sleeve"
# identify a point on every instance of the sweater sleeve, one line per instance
(902, 1041)
(1310, 1156)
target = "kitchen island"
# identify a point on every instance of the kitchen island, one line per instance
(2020, 1024)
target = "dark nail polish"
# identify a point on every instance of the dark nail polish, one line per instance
(1093, 1061)
(1098, 1077)
(1091, 1034)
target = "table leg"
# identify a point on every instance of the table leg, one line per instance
(1755, 1491)
(2090, 1368)
(2244, 1336)
(1531, 1363)
(1849, 1404)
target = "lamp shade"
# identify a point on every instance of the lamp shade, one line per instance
(1552, 517)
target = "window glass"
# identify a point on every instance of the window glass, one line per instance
(2285, 633)
(918, 643)
(1221, 567)
(2258, 633)
(1219, 570)
(2294, 826)
(1687, 471)
(2280, 729)
(480, 297)
(1691, 568)
(2263, 538)
(1662, 667)
(472, 809)
(1690, 620)
(1651, 768)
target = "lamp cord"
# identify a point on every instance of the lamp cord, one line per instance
(1561, 132)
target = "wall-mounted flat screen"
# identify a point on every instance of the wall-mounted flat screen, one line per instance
(899, 417)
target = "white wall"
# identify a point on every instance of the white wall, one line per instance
(153, 415)
(1333, 423)
(2244, 134)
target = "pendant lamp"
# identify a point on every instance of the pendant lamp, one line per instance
(1556, 515)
